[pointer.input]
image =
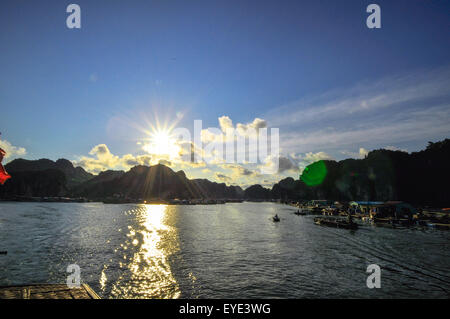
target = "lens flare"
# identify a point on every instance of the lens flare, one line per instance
(314, 174)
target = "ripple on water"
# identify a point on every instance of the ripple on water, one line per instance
(215, 251)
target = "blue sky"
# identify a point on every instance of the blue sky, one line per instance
(313, 69)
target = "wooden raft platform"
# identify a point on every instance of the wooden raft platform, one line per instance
(47, 291)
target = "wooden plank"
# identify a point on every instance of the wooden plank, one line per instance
(26, 293)
(91, 292)
(47, 291)
(11, 294)
(79, 294)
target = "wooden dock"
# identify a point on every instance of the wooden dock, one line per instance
(47, 291)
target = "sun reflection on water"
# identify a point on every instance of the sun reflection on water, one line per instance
(146, 268)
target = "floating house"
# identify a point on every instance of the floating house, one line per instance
(365, 207)
(318, 203)
(395, 209)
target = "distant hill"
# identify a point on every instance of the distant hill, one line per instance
(209, 189)
(151, 182)
(37, 183)
(140, 182)
(257, 192)
(74, 175)
(46, 178)
(420, 178)
(96, 184)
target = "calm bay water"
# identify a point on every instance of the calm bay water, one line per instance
(216, 251)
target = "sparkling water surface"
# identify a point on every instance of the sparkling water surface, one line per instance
(216, 251)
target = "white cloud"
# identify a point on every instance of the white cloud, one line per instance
(407, 108)
(222, 177)
(11, 150)
(311, 157)
(245, 129)
(165, 162)
(279, 164)
(102, 159)
(238, 171)
(360, 154)
(394, 148)
(363, 152)
(214, 139)
(225, 123)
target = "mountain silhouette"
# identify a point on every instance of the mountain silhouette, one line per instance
(46, 178)
(153, 182)
(74, 175)
(420, 178)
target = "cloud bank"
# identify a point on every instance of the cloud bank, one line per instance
(11, 150)
(407, 108)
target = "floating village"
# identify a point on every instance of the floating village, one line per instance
(329, 213)
(349, 215)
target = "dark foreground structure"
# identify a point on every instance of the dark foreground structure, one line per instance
(47, 291)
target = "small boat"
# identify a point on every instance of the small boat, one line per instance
(276, 219)
(300, 213)
(335, 222)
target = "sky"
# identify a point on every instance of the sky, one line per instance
(333, 87)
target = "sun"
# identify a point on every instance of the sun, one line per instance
(163, 144)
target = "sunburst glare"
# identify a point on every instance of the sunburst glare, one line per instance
(163, 144)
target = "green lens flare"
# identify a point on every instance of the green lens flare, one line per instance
(314, 174)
